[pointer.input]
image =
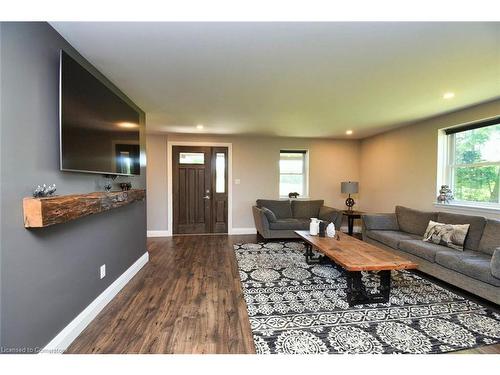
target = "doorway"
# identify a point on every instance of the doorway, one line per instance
(199, 189)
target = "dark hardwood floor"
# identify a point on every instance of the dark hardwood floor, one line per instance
(187, 299)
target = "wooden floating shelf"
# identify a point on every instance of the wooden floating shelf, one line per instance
(44, 212)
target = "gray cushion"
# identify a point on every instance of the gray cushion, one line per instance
(329, 214)
(390, 237)
(306, 209)
(271, 217)
(419, 248)
(495, 263)
(490, 239)
(281, 209)
(471, 263)
(476, 228)
(381, 222)
(295, 224)
(414, 221)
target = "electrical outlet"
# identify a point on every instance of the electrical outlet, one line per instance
(103, 271)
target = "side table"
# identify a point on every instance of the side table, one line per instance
(351, 215)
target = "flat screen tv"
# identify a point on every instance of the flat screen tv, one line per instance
(99, 131)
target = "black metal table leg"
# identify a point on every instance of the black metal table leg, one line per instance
(385, 284)
(310, 259)
(308, 252)
(350, 291)
(350, 225)
(356, 291)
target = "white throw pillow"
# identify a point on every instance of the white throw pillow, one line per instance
(450, 235)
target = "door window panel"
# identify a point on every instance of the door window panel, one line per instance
(191, 158)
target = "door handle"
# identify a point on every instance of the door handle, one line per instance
(206, 197)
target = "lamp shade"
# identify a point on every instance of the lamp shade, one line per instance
(349, 187)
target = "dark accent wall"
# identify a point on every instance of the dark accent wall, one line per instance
(49, 275)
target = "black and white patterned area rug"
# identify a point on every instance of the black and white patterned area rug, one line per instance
(299, 308)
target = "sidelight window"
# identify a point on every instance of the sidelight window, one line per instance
(220, 172)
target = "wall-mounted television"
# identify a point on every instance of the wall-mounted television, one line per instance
(99, 131)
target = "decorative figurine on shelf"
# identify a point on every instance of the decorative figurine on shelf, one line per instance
(44, 191)
(445, 194)
(293, 195)
(108, 184)
(125, 186)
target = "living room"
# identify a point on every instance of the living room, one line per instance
(250, 188)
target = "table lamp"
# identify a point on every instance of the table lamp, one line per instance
(349, 187)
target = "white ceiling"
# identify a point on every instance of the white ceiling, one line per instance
(292, 79)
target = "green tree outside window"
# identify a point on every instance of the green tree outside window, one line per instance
(476, 166)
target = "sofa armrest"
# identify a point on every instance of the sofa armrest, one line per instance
(380, 222)
(495, 263)
(331, 215)
(261, 222)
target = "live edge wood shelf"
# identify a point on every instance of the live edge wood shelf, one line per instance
(44, 212)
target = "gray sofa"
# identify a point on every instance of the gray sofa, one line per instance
(290, 216)
(476, 269)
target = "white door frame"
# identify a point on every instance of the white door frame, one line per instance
(170, 199)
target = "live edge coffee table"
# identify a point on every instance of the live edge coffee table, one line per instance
(355, 256)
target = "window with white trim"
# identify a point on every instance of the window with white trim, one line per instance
(293, 172)
(473, 163)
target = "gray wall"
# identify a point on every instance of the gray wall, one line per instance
(50, 275)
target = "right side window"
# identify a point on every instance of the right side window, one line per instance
(473, 165)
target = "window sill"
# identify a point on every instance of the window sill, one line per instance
(478, 209)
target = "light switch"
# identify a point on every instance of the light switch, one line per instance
(102, 271)
(237, 181)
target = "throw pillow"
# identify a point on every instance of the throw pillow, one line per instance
(269, 214)
(450, 235)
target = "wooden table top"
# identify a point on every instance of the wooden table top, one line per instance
(355, 255)
(352, 212)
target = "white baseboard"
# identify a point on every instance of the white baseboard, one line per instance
(158, 233)
(69, 333)
(244, 231)
(167, 233)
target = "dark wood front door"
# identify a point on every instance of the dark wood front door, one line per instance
(199, 183)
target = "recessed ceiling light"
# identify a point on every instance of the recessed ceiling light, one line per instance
(348, 132)
(199, 126)
(448, 95)
(127, 125)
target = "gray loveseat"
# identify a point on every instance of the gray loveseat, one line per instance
(476, 269)
(290, 216)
